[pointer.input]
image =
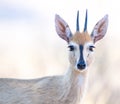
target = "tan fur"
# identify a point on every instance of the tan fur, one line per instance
(64, 89)
(81, 38)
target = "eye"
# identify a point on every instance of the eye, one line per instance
(91, 48)
(71, 47)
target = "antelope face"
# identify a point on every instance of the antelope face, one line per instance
(81, 49)
(81, 44)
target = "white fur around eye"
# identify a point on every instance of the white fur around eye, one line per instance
(74, 55)
(89, 43)
(87, 51)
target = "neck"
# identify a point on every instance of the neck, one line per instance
(76, 84)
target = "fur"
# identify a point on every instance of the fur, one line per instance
(65, 89)
(81, 38)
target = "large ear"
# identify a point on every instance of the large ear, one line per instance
(62, 28)
(100, 29)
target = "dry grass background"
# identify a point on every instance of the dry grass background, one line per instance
(30, 47)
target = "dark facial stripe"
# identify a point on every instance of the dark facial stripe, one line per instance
(81, 53)
(81, 64)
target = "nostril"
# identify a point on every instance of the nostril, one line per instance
(81, 65)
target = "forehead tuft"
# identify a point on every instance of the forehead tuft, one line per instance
(81, 38)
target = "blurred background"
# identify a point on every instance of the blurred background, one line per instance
(30, 47)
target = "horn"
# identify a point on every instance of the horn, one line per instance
(77, 21)
(85, 25)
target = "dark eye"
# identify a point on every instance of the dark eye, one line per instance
(71, 47)
(91, 48)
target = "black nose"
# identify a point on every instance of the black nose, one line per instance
(81, 65)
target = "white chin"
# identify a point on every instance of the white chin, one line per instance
(81, 70)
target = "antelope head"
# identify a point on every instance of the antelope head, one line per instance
(81, 44)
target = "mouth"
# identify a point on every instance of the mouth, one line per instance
(82, 70)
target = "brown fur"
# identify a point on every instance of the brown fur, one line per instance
(81, 38)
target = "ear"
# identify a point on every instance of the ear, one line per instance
(100, 29)
(62, 28)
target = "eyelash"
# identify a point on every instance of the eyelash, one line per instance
(91, 48)
(71, 48)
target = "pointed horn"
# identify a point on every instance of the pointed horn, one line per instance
(77, 22)
(85, 25)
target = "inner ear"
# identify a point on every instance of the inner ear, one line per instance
(100, 29)
(62, 28)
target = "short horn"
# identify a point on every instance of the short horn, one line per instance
(85, 25)
(77, 22)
